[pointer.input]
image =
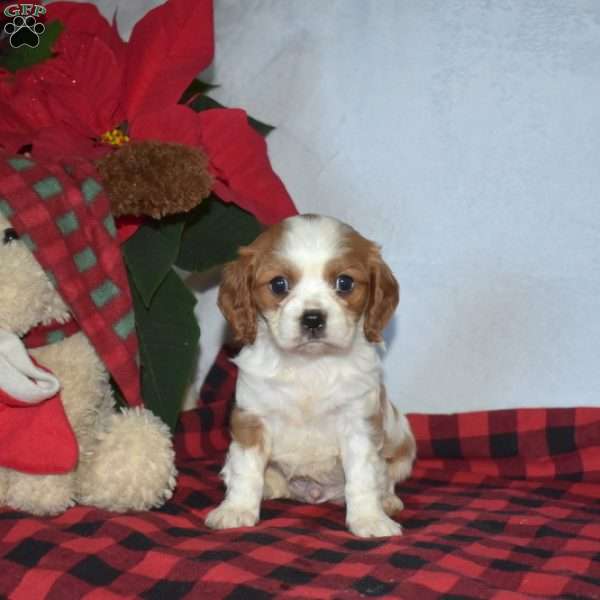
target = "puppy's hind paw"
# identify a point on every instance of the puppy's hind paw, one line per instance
(374, 526)
(227, 516)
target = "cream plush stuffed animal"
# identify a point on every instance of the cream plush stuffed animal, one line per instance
(64, 288)
(126, 460)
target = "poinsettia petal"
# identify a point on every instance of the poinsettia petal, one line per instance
(24, 108)
(28, 119)
(57, 143)
(127, 226)
(176, 123)
(239, 159)
(69, 109)
(11, 126)
(6, 78)
(13, 141)
(79, 90)
(168, 47)
(85, 18)
(86, 79)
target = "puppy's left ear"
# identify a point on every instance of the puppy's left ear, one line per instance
(384, 294)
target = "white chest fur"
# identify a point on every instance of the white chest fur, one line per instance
(306, 402)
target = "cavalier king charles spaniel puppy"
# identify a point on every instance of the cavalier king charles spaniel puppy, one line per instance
(308, 300)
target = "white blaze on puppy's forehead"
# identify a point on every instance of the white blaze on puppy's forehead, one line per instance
(311, 240)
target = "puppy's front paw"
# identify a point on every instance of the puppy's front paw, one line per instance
(374, 526)
(228, 516)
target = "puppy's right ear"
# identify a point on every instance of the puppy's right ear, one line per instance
(235, 297)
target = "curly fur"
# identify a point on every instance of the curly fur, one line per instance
(155, 178)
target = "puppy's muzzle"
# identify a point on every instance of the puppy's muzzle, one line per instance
(313, 323)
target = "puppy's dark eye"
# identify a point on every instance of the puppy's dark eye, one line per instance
(10, 235)
(344, 284)
(279, 286)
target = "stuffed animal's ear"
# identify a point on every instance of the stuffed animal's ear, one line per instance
(384, 294)
(235, 297)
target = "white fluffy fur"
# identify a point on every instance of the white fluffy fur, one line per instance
(315, 401)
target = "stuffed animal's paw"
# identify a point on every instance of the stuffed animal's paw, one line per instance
(131, 466)
(40, 494)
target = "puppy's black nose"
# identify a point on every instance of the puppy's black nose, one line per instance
(313, 320)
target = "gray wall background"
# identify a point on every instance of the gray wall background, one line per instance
(464, 137)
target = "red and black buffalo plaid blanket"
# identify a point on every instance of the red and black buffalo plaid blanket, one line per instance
(501, 505)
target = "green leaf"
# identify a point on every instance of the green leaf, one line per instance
(204, 103)
(195, 88)
(168, 335)
(213, 233)
(24, 56)
(151, 252)
(260, 127)
(207, 103)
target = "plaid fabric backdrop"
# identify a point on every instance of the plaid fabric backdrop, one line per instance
(501, 505)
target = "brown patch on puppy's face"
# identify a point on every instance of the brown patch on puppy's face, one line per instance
(350, 265)
(244, 286)
(375, 293)
(269, 268)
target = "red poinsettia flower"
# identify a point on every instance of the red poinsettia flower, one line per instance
(99, 91)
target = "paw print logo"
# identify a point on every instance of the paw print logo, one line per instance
(24, 31)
